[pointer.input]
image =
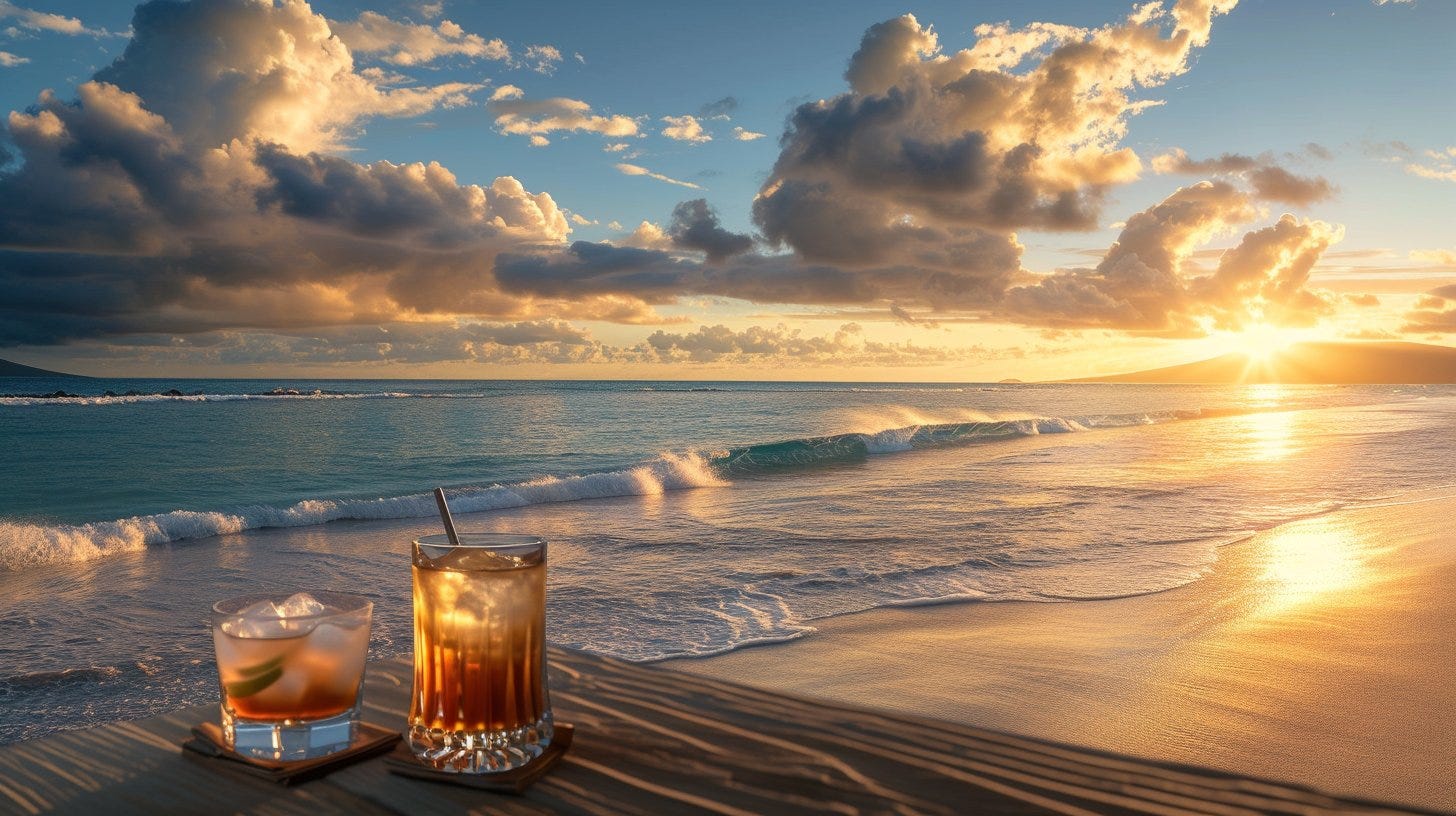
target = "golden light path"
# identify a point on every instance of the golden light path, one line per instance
(1268, 433)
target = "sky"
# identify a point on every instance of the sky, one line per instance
(921, 191)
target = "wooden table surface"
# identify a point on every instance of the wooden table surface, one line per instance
(651, 740)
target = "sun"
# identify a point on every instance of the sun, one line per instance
(1262, 342)
(1261, 345)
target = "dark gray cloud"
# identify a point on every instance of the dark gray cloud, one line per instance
(722, 107)
(1270, 182)
(903, 315)
(695, 226)
(949, 274)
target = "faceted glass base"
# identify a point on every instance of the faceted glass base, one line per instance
(290, 739)
(478, 752)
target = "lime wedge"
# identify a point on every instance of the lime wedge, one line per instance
(252, 685)
(262, 668)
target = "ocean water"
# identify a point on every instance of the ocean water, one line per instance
(684, 519)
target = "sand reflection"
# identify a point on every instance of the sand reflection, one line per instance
(1309, 561)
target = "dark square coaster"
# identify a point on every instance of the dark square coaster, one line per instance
(515, 781)
(207, 741)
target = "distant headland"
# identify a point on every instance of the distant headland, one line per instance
(9, 369)
(1312, 363)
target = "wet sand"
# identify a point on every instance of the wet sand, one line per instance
(1322, 652)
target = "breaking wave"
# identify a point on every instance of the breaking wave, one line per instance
(26, 544)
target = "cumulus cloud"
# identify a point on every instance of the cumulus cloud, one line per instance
(638, 170)
(9, 60)
(1145, 281)
(1020, 130)
(743, 135)
(269, 72)
(32, 20)
(647, 235)
(1269, 181)
(516, 115)
(171, 195)
(685, 129)
(405, 43)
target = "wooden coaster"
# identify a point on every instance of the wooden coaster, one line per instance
(515, 781)
(207, 741)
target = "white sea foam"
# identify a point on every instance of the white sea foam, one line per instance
(23, 544)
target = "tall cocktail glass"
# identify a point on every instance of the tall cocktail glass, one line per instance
(291, 668)
(479, 702)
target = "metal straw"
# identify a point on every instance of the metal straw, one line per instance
(445, 516)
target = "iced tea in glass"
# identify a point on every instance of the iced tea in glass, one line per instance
(291, 668)
(479, 702)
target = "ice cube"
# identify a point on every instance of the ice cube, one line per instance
(259, 626)
(300, 604)
(336, 655)
(261, 609)
(267, 619)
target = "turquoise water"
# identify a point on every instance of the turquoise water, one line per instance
(685, 519)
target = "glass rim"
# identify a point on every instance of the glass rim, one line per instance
(354, 603)
(482, 541)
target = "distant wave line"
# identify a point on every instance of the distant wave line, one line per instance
(173, 397)
(134, 399)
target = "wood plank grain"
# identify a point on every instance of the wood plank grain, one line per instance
(648, 741)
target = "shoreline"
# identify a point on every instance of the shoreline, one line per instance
(1316, 652)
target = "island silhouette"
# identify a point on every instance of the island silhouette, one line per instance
(1310, 363)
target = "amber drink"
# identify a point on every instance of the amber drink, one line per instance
(479, 702)
(291, 668)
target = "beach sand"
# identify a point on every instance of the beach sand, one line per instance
(1321, 652)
